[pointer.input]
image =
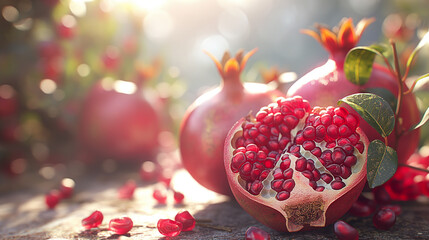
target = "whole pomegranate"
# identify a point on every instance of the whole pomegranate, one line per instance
(326, 84)
(207, 121)
(118, 121)
(294, 167)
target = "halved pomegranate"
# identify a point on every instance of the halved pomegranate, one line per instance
(294, 167)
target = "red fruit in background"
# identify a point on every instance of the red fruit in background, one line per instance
(345, 232)
(117, 121)
(8, 101)
(326, 84)
(363, 207)
(293, 169)
(255, 233)
(384, 219)
(407, 183)
(52, 198)
(207, 121)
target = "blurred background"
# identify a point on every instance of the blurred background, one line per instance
(55, 55)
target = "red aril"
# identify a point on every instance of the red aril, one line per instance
(255, 233)
(363, 207)
(169, 228)
(160, 196)
(126, 191)
(178, 197)
(121, 225)
(52, 198)
(394, 207)
(207, 121)
(281, 181)
(67, 187)
(326, 84)
(384, 219)
(345, 232)
(93, 220)
(187, 220)
(117, 121)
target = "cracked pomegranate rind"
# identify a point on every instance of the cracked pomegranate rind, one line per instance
(294, 167)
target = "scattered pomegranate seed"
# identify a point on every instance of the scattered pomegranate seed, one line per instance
(178, 197)
(67, 187)
(169, 228)
(394, 207)
(121, 225)
(52, 198)
(363, 207)
(149, 171)
(381, 196)
(384, 219)
(255, 233)
(127, 190)
(93, 220)
(188, 222)
(345, 232)
(160, 196)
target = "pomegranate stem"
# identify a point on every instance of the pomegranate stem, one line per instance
(399, 78)
(412, 167)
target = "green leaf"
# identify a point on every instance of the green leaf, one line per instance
(374, 110)
(358, 63)
(422, 43)
(382, 163)
(424, 119)
(385, 94)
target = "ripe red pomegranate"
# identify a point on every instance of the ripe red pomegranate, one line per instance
(207, 121)
(294, 167)
(117, 121)
(326, 84)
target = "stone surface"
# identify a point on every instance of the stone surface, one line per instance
(24, 215)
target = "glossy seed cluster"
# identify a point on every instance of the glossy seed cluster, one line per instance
(288, 136)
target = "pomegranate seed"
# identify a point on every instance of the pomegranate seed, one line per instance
(317, 152)
(359, 146)
(283, 195)
(341, 111)
(169, 228)
(346, 172)
(308, 145)
(290, 121)
(326, 177)
(277, 185)
(348, 149)
(93, 220)
(178, 197)
(337, 185)
(277, 173)
(52, 198)
(252, 147)
(363, 207)
(237, 160)
(307, 174)
(309, 133)
(381, 196)
(395, 208)
(261, 115)
(160, 196)
(320, 188)
(320, 132)
(326, 119)
(352, 121)
(256, 187)
(285, 164)
(384, 219)
(344, 131)
(301, 164)
(338, 155)
(345, 232)
(187, 220)
(338, 120)
(288, 173)
(121, 225)
(127, 190)
(350, 161)
(316, 175)
(67, 187)
(332, 131)
(335, 169)
(288, 185)
(254, 233)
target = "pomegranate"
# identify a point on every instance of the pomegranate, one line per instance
(117, 121)
(326, 84)
(207, 121)
(384, 219)
(294, 167)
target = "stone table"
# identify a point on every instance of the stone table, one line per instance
(24, 215)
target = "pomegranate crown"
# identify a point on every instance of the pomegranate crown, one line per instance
(342, 38)
(231, 67)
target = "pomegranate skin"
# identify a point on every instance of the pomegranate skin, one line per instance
(208, 120)
(275, 215)
(326, 84)
(116, 125)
